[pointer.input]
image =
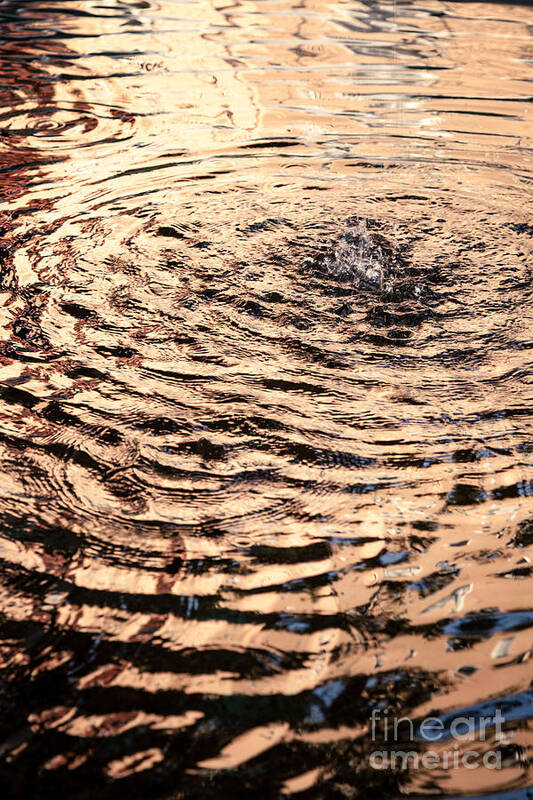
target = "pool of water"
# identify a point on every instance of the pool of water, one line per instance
(253, 506)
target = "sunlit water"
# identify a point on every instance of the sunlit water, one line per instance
(266, 394)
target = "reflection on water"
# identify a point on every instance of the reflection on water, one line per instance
(246, 499)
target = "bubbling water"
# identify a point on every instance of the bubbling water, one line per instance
(368, 256)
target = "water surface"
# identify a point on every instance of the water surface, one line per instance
(245, 502)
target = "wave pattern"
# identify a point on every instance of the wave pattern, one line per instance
(248, 496)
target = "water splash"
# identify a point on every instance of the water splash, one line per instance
(369, 256)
